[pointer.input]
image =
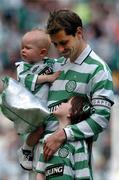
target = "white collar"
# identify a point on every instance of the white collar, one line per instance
(83, 55)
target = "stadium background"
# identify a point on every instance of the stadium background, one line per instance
(102, 32)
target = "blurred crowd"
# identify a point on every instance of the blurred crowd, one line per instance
(101, 24)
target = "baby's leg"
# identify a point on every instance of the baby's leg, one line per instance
(40, 176)
(34, 137)
(25, 153)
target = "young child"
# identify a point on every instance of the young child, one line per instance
(72, 154)
(35, 69)
(35, 72)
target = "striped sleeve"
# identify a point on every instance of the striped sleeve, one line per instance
(102, 99)
(24, 75)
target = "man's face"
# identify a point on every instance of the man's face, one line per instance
(67, 45)
(64, 109)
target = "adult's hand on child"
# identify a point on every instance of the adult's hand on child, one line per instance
(52, 143)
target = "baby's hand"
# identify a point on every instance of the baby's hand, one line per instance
(48, 78)
(53, 77)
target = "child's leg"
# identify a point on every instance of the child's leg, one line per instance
(25, 153)
(34, 137)
(40, 176)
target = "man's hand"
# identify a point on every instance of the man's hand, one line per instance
(52, 143)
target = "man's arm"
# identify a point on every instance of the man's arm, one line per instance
(87, 128)
(102, 98)
(53, 142)
(92, 126)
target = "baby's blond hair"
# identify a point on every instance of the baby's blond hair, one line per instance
(40, 38)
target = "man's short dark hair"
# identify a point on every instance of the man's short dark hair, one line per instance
(66, 20)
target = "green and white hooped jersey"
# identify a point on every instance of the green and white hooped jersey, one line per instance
(27, 74)
(68, 163)
(88, 76)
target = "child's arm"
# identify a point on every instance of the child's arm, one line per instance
(48, 78)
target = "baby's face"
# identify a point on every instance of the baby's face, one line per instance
(64, 109)
(30, 52)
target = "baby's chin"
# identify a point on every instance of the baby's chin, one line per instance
(28, 60)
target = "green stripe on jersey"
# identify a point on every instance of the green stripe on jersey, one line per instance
(96, 128)
(104, 112)
(28, 79)
(103, 84)
(76, 76)
(60, 95)
(76, 132)
(81, 165)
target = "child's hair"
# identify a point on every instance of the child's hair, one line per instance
(42, 38)
(81, 109)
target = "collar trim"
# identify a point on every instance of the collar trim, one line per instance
(83, 55)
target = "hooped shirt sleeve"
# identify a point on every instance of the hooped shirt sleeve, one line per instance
(25, 76)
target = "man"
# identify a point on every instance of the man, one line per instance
(83, 73)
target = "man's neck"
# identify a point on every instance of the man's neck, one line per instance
(80, 50)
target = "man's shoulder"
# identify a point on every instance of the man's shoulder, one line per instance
(97, 61)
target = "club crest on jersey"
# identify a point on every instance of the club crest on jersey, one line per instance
(54, 170)
(70, 86)
(63, 152)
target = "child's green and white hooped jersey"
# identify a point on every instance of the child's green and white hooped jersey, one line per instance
(87, 76)
(27, 74)
(68, 163)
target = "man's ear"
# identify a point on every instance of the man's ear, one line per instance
(79, 32)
